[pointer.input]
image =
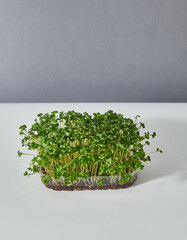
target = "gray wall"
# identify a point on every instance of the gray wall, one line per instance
(93, 50)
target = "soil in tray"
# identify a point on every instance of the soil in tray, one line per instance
(58, 186)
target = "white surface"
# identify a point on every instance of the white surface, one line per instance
(154, 208)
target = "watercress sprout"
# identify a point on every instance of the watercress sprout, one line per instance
(72, 145)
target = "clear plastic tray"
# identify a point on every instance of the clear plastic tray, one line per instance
(91, 183)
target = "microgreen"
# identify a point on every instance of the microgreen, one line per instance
(76, 145)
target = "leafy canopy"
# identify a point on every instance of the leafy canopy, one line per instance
(73, 145)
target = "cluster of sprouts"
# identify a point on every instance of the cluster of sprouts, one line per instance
(74, 145)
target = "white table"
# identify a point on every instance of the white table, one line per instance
(154, 208)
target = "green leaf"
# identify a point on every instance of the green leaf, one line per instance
(25, 173)
(122, 181)
(121, 132)
(54, 112)
(141, 167)
(19, 153)
(100, 182)
(23, 127)
(158, 150)
(142, 125)
(39, 114)
(154, 135)
(109, 161)
(46, 179)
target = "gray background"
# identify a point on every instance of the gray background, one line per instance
(93, 50)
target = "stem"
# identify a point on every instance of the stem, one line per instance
(150, 153)
(29, 154)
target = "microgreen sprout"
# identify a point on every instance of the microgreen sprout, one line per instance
(76, 145)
